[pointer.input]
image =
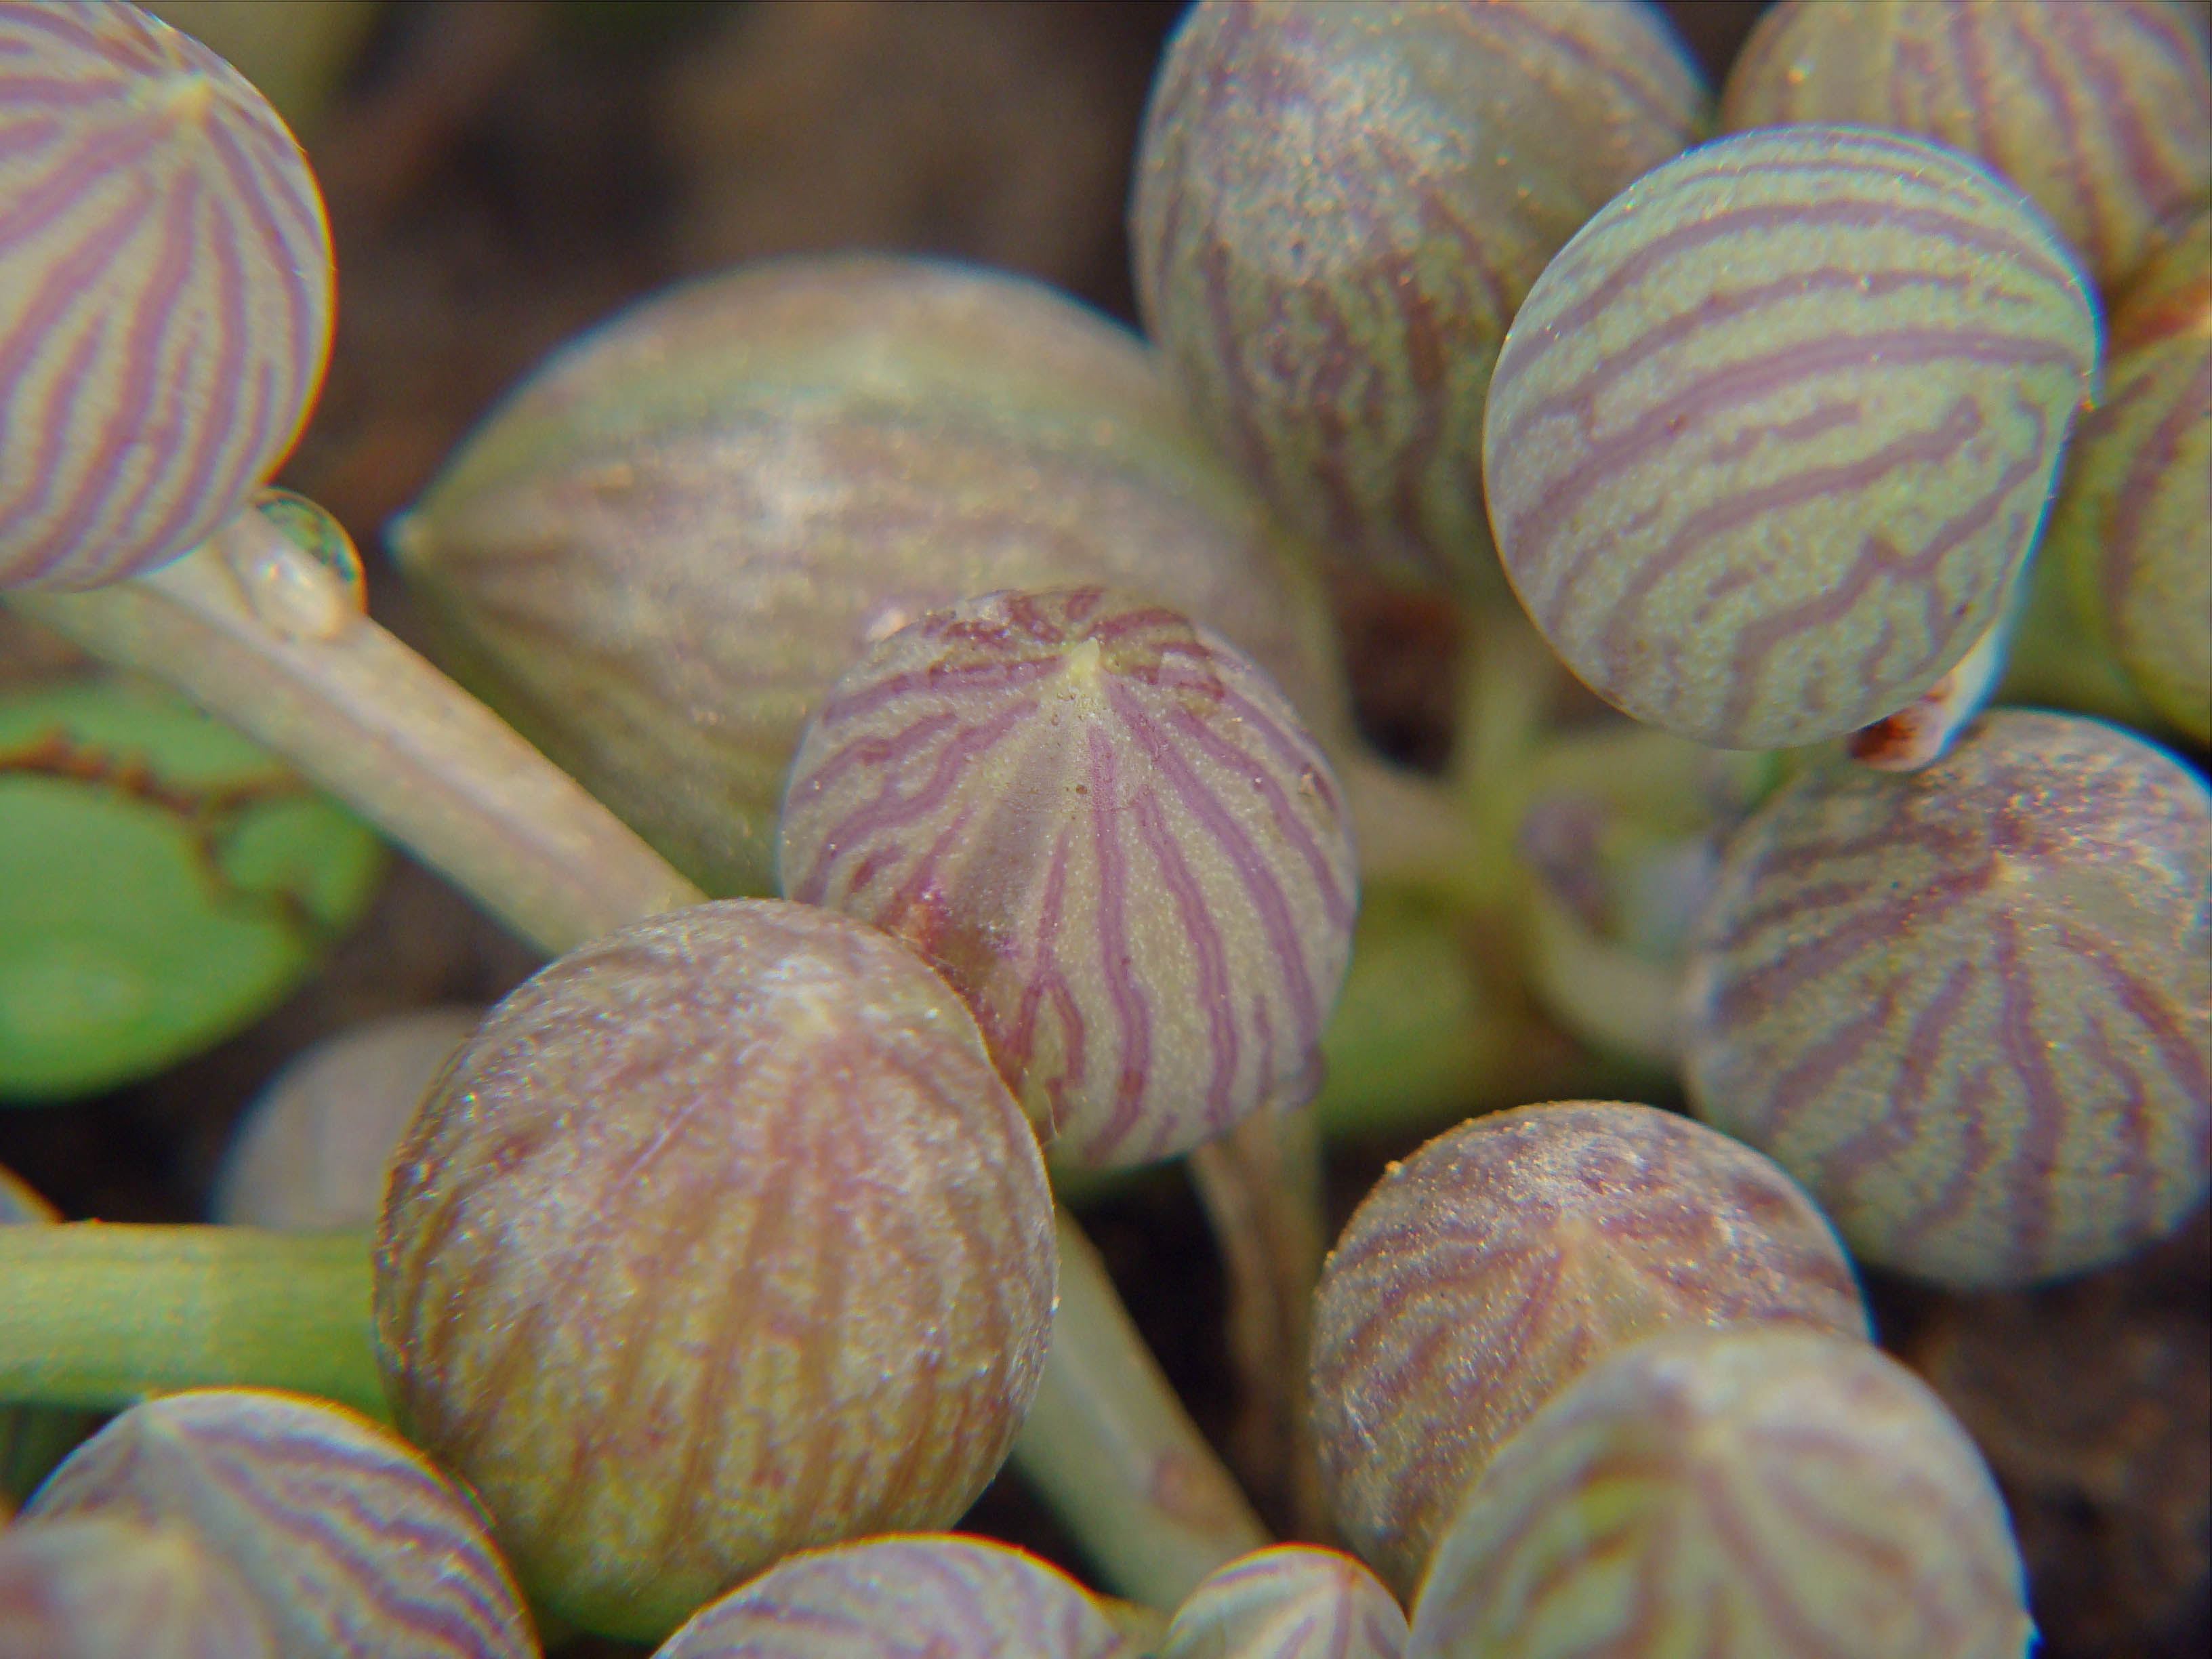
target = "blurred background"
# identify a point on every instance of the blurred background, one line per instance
(502, 174)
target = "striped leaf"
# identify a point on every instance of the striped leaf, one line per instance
(1293, 1601)
(720, 1239)
(1338, 208)
(96, 1587)
(1109, 831)
(2101, 110)
(659, 556)
(2133, 522)
(166, 293)
(888, 1598)
(1970, 1008)
(1493, 1265)
(1753, 1493)
(353, 1545)
(1772, 436)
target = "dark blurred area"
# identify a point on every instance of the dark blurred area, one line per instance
(503, 173)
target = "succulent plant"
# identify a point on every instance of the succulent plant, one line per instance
(2132, 524)
(1109, 831)
(776, 471)
(719, 1239)
(166, 293)
(263, 624)
(1756, 1492)
(349, 1541)
(1770, 440)
(1338, 209)
(97, 1587)
(1970, 1008)
(658, 555)
(1505, 1256)
(879, 1598)
(2101, 113)
(1293, 1601)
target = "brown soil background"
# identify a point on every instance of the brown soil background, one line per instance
(501, 175)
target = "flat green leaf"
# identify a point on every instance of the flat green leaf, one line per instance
(163, 882)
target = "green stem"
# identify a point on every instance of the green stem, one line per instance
(1411, 833)
(1110, 1449)
(1511, 678)
(1418, 1035)
(1260, 1185)
(101, 1316)
(256, 632)
(1438, 1021)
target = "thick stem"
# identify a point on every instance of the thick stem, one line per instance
(260, 634)
(101, 1316)
(1262, 1185)
(1110, 1449)
(1512, 678)
(1411, 833)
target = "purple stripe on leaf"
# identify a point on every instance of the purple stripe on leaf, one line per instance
(164, 198)
(1149, 796)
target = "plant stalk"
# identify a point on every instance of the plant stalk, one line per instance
(1108, 1447)
(256, 633)
(1510, 678)
(1411, 833)
(1260, 1185)
(101, 1315)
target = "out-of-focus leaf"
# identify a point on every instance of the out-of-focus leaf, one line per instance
(162, 884)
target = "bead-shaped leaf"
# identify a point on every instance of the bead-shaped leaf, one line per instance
(166, 293)
(660, 553)
(97, 1587)
(2102, 113)
(720, 1239)
(1293, 1601)
(1758, 1493)
(1107, 828)
(2133, 523)
(1498, 1260)
(888, 1598)
(1772, 436)
(1338, 209)
(313, 1150)
(1970, 1008)
(352, 1544)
